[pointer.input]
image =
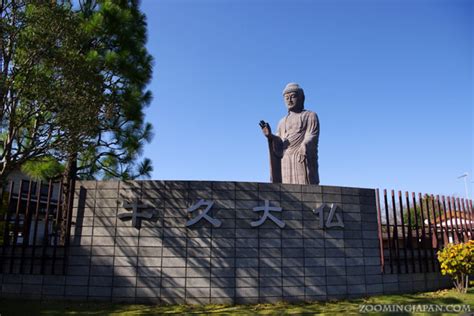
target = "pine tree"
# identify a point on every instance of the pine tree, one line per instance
(117, 32)
(73, 89)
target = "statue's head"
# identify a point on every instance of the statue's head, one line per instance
(293, 96)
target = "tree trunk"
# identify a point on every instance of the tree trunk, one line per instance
(68, 187)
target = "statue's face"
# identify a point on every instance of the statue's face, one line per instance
(293, 101)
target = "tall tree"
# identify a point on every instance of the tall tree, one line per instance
(73, 88)
(74, 82)
(116, 45)
(43, 83)
(25, 129)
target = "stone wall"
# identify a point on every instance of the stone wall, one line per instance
(161, 259)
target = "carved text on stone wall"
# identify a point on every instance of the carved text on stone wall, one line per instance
(333, 220)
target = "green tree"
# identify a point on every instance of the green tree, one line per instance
(73, 89)
(419, 214)
(113, 37)
(26, 126)
(116, 47)
(45, 82)
(45, 168)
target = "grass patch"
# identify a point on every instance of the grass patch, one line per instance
(10, 307)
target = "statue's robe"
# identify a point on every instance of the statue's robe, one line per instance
(298, 130)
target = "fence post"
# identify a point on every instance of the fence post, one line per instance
(46, 226)
(388, 231)
(6, 228)
(379, 222)
(418, 241)
(404, 240)
(410, 236)
(35, 227)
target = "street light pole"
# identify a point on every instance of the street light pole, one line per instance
(465, 183)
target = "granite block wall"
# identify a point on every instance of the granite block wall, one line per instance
(137, 242)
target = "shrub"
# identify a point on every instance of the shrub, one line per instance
(457, 261)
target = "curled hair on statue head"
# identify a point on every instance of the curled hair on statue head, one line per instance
(294, 87)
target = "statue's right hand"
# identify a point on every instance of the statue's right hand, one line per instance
(267, 131)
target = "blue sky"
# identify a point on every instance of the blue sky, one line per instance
(391, 82)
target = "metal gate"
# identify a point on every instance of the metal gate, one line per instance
(34, 227)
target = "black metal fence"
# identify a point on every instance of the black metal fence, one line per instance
(412, 228)
(34, 228)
